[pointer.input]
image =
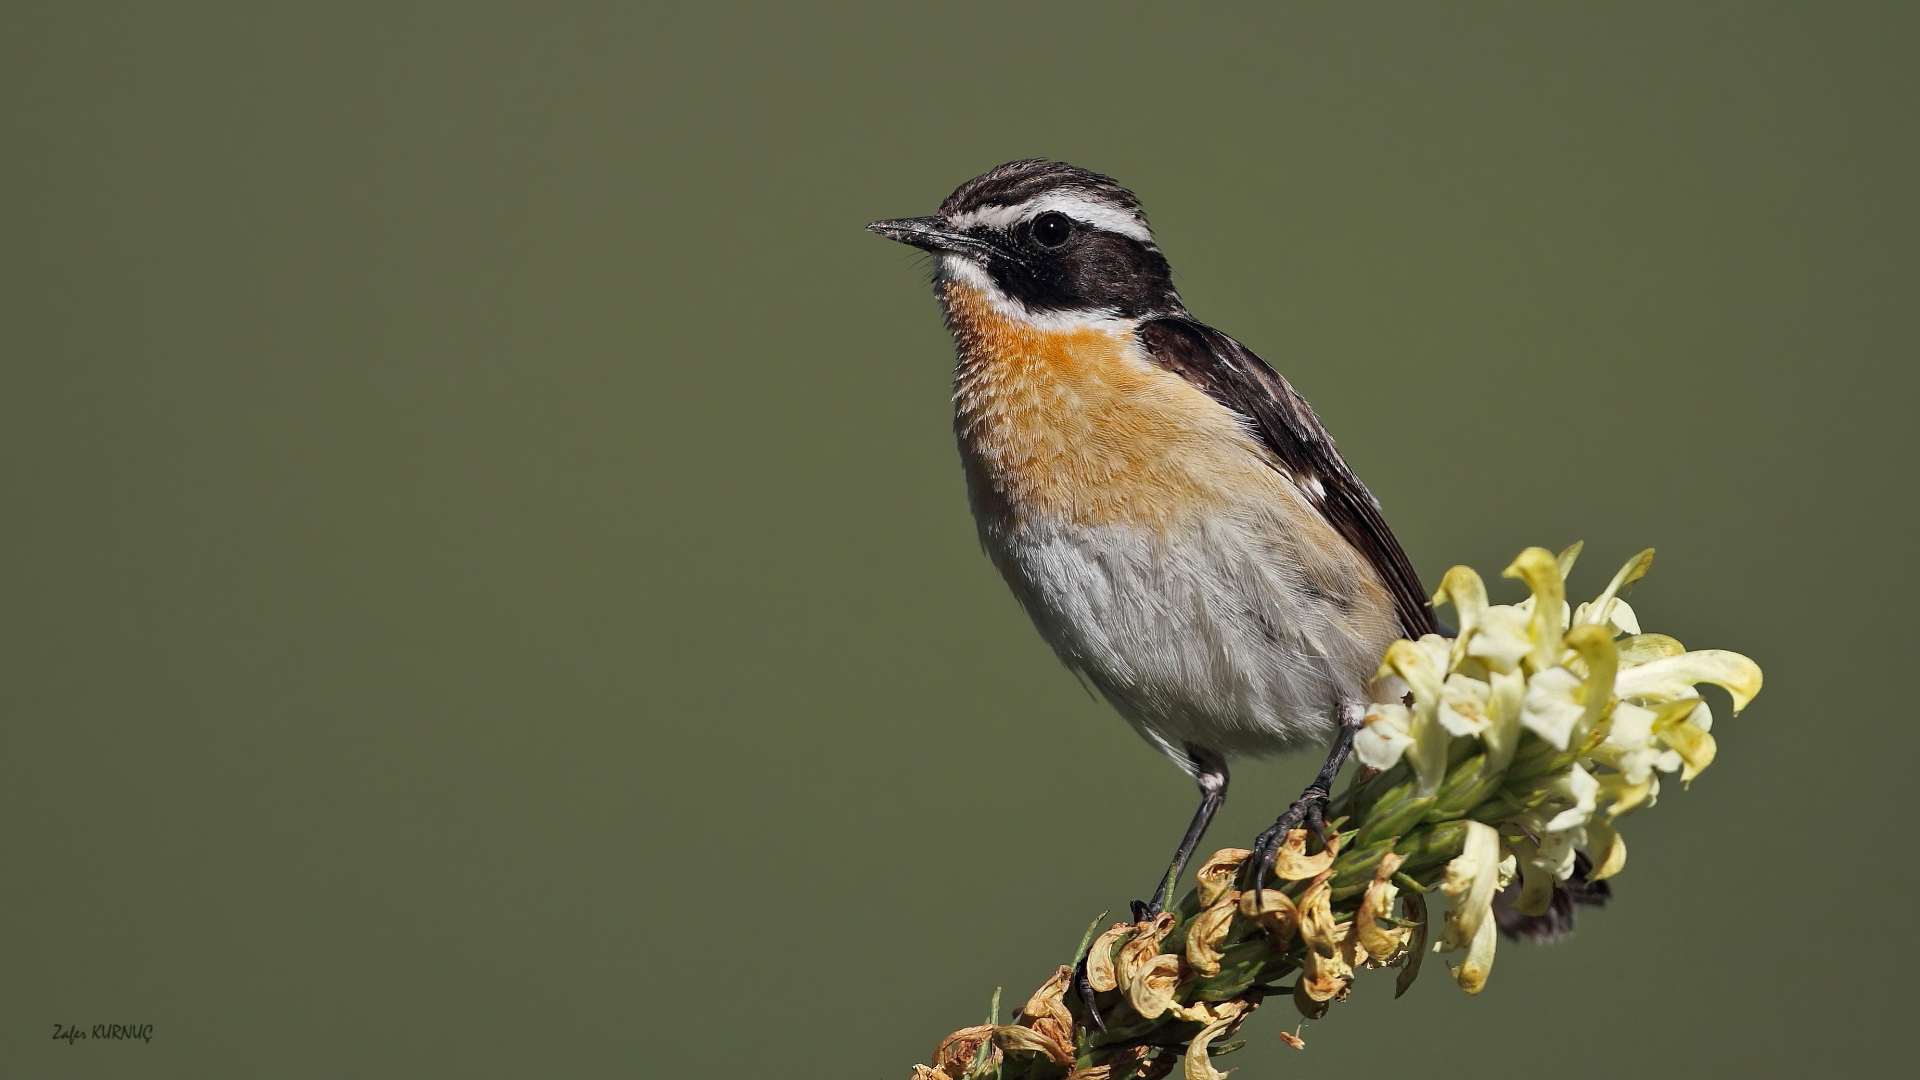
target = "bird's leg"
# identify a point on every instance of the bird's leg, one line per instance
(1311, 807)
(1210, 773)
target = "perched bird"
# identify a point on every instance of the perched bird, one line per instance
(1171, 514)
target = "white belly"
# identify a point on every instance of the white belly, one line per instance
(1206, 632)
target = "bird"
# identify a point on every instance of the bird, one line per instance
(1172, 516)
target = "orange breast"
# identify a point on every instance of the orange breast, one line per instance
(1076, 426)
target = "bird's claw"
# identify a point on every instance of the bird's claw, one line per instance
(1310, 809)
(1084, 990)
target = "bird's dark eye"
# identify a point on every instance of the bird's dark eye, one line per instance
(1052, 228)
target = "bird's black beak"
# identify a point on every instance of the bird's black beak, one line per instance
(928, 234)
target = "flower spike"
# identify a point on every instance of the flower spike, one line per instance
(1501, 754)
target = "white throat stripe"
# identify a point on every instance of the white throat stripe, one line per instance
(959, 268)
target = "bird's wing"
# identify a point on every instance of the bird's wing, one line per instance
(1229, 373)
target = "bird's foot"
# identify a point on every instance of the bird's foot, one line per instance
(1310, 809)
(1084, 990)
(1142, 911)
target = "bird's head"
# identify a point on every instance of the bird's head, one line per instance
(1046, 240)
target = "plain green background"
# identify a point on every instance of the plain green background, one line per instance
(488, 589)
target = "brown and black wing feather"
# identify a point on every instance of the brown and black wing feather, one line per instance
(1232, 375)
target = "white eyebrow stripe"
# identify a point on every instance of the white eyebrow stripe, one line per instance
(1091, 211)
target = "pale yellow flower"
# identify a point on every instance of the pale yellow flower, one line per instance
(1472, 879)
(1547, 618)
(1415, 664)
(1671, 677)
(1383, 736)
(1630, 745)
(1503, 639)
(1607, 610)
(1619, 618)
(1465, 705)
(1553, 705)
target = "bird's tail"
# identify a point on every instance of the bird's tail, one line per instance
(1558, 920)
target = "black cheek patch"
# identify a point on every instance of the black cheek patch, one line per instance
(1098, 270)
